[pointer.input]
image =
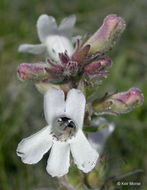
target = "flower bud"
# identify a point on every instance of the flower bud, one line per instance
(36, 71)
(107, 35)
(99, 65)
(119, 103)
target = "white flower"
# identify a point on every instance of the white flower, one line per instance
(54, 40)
(98, 139)
(62, 135)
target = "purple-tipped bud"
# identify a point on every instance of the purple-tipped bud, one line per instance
(104, 39)
(97, 66)
(119, 103)
(36, 71)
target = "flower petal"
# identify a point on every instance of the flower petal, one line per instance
(98, 139)
(32, 149)
(46, 25)
(30, 48)
(67, 25)
(58, 162)
(75, 106)
(54, 104)
(84, 155)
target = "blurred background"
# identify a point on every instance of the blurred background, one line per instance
(21, 110)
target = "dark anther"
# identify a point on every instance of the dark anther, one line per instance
(66, 122)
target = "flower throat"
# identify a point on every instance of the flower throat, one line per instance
(63, 129)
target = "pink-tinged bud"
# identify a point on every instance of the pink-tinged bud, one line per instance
(106, 36)
(119, 103)
(97, 66)
(36, 71)
(132, 97)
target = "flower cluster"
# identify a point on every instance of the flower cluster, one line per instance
(65, 63)
(72, 71)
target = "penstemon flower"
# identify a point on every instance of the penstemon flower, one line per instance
(62, 135)
(53, 39)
